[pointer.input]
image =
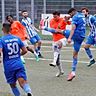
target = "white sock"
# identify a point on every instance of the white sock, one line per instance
(55, 57)
(60, 68)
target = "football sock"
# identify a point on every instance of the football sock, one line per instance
(60, 68)
(36, 49)
(74, 64)
(26, 88)
(55, 57)
(39, 47)
(15, 91)
(88, 51)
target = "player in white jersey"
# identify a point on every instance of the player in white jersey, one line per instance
(32, 32)
(91, 40)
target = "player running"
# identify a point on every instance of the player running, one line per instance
(31, 30)
(91, 40)
(18, 29)
(13, 67)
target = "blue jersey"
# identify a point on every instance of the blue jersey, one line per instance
(27, 23)
(91, 22)
(11, 52)
(79, 21)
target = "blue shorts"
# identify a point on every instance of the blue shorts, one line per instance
(12, 76)
(76, 38)
(90, 40)
(35, 39)
(77, 44)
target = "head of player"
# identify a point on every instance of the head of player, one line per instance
(10, 19)
(72, 12)
(85, 11)
(56, 15)
(6, 28)
(24, 13)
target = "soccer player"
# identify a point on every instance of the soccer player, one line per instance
(58, 41)
(14, 69)
(19, 30)
(77, 34)
(91, 40)
(32, 32)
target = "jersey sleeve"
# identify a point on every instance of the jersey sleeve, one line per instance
(31, 21)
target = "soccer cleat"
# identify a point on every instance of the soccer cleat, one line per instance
(70, 77)
(52, 64)
(22, 59)
(29, 94)
(59, 74)
(91, 63)
(37, 58)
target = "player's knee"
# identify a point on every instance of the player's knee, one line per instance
(56, 48)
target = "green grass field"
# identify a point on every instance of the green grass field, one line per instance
(43, 82)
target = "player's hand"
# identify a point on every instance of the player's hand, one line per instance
(69, 40)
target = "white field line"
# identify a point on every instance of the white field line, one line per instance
(68, 61)
(67, 48)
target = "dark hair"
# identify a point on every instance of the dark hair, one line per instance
(85, 8)
(7, 26)
(9, 16)
(56, 13)
(71, 10)
(24, 11)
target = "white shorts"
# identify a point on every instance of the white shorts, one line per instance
(63, 41)
(25, 43)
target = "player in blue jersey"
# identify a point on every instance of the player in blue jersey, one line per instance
(91, 40)
(32, 32)
(13, 67)
(77, 33)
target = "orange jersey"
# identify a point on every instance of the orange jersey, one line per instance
(19, 30)
(63, 24)
(57, 25)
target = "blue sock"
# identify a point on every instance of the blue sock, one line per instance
(74, 64)
(15, 91)
(49, 29)
(26, 88)
(39, 47)
(88, 51)
(36, 50)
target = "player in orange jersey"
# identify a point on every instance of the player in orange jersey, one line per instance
(58, 40)
(19, 30)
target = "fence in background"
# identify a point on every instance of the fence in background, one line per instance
(37, 7)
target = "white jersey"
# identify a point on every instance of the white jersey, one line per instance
(91, 21)
(27, 22)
